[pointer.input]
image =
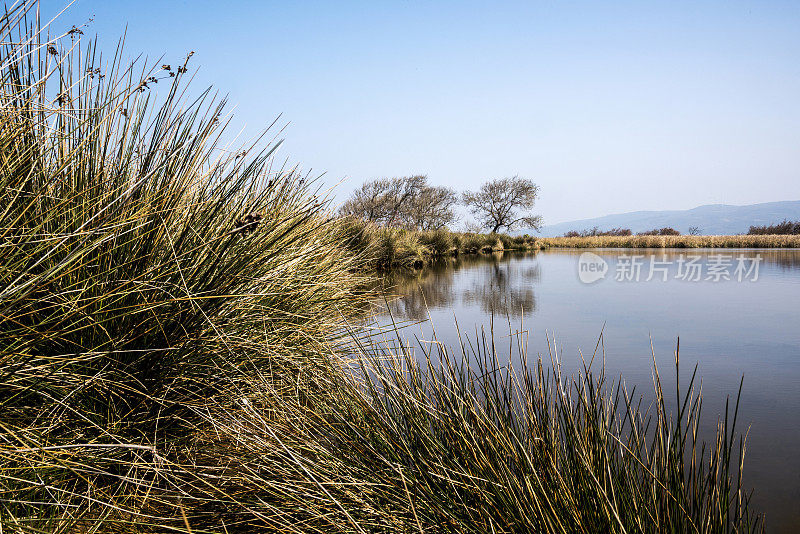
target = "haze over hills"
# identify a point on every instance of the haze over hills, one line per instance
(711, 219)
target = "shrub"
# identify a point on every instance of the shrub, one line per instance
(593, 232)
(473, 243)
(661, 231)
(783, 228)
(438, 242)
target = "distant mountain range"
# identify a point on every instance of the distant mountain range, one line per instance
(712, 219)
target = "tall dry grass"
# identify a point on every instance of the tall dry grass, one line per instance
(388, 248)
(146, 274)
(682, 241)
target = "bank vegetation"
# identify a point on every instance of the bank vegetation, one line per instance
(672, 241)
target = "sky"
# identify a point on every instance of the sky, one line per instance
(608, 106)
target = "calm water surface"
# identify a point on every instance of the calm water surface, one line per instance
(730, 328)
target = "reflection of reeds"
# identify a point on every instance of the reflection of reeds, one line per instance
(422, 291)
(683, 241)
(505, 290)
(786, 259)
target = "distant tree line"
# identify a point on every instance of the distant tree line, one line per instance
(661, 231)
(621, 232)
(782, 228)
(596, 232)
(412, 202)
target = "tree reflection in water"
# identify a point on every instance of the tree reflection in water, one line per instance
(431, 287)
(505, 289)
(498, 287)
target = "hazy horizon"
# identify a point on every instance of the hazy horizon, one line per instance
(693, 207)
(610, 108)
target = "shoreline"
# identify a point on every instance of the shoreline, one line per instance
(386, 249)
(681, 241)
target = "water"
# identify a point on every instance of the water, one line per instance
(746, 325)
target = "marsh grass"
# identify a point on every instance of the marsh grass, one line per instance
(388, 248)
(454, 440)
(173, 356)
(385, 248)
(668, 241)
(146, 272)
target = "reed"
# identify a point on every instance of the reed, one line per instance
(146, 273)
(668, 241)
(401, 248)
(452, 440)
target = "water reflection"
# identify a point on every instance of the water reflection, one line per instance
(429, 288)
(786, 259)
(493, 283)
(504, 289)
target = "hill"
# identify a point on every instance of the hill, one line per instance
(711, 219)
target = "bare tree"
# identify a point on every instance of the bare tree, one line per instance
(368, 202)
(694, 230)
(402, 193)
(504, 203)
(408, 201)
(432, 208)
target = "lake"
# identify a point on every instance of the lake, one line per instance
(736, 312)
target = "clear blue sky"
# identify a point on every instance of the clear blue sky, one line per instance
(608, 106)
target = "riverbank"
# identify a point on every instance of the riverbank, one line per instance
(678, 241)
(385, 248)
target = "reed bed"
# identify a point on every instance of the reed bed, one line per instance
(385, 248)
(455, 441)
(174, 355)
(400, 248)
(681, 241)
(146, 273)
